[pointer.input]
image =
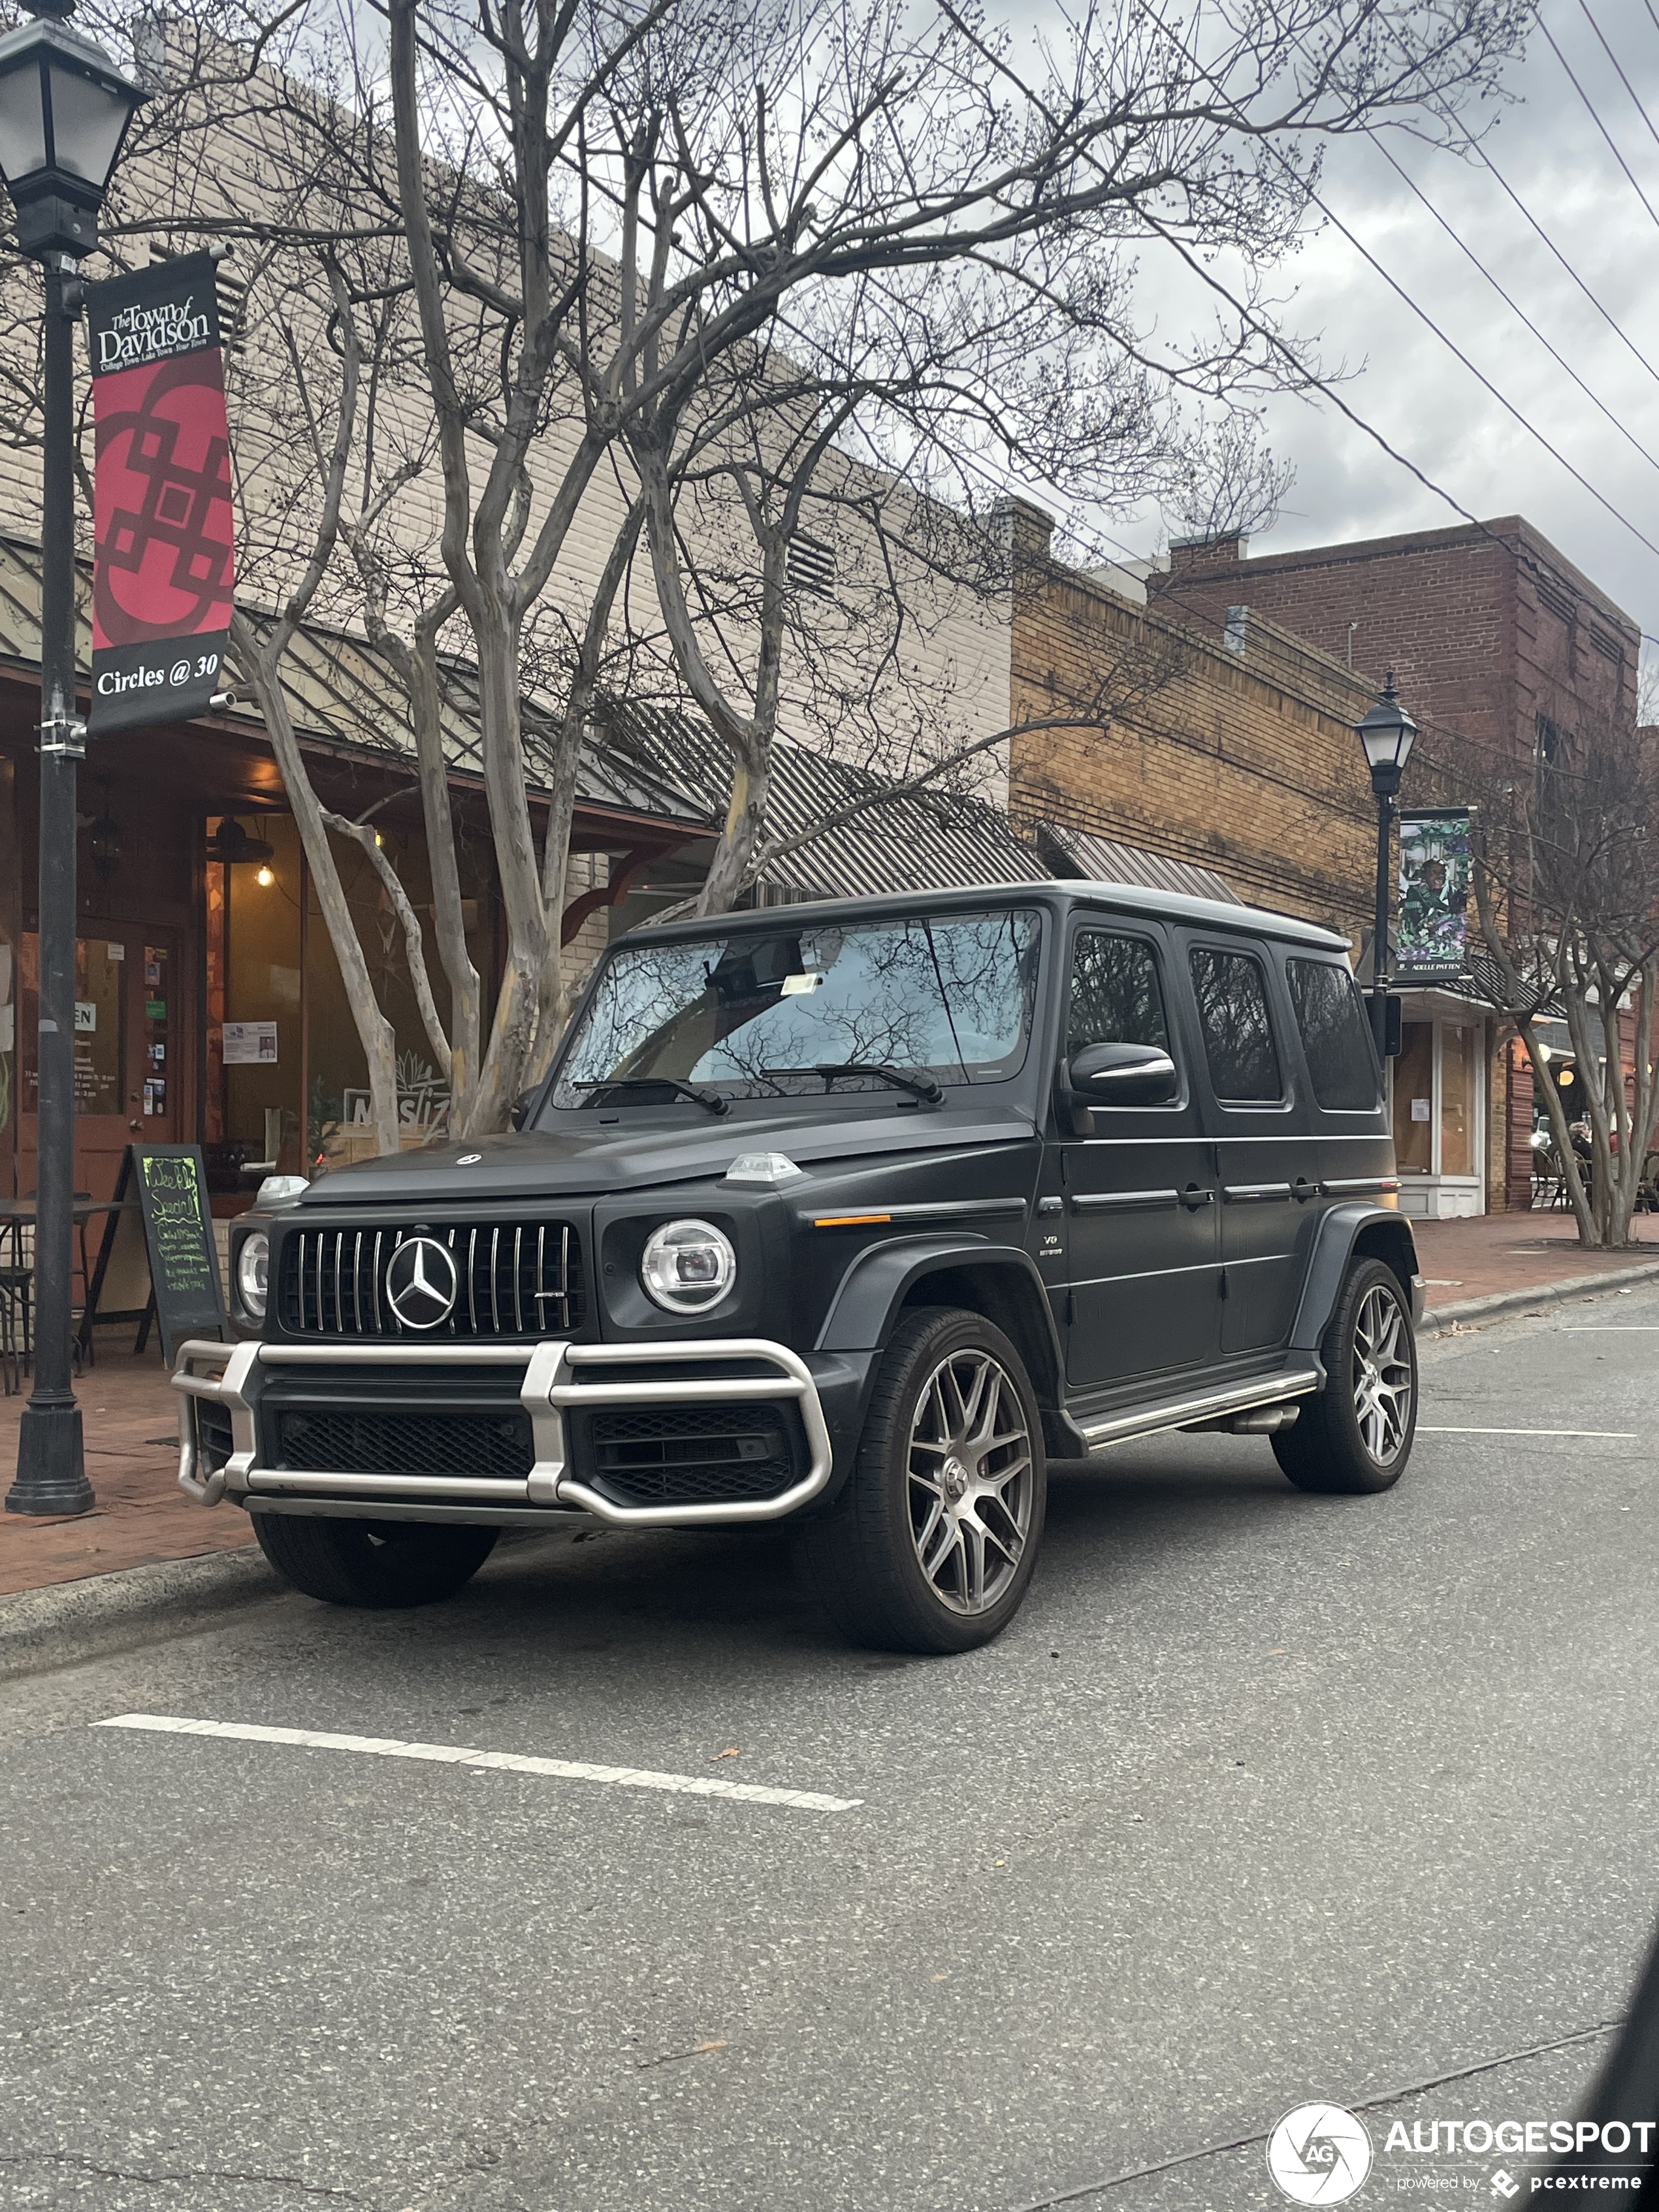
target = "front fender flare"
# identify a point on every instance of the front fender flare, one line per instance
(880, 1279)
(1339, 1231)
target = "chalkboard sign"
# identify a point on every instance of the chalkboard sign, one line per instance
(183, 1260)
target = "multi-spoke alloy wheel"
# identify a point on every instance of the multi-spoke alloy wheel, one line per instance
(932, 1544)
(971, 1482)
(1357, 1434)
(1383, 1382)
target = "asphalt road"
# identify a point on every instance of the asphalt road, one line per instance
(1263, 1798)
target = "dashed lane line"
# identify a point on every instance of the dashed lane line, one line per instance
(507, 1762)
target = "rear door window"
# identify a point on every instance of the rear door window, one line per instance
(1335, 1036)
(1231, 990)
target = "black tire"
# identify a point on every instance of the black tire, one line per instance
(865, 1557)
(1356, 1436)
(377, 1563)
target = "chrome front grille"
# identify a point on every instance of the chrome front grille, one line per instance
(515, 1279)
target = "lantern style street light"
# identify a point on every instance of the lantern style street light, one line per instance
(1387, 734)
(64, 109)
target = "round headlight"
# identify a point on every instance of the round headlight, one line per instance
(253, 1274)
(688, 1265)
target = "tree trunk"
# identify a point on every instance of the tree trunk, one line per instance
(374, 1032)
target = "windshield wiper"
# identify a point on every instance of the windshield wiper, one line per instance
(919, 1086)
(711, 1099)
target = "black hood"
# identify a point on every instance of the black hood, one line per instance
(647, 1150)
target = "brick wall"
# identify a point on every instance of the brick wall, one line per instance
(1486, 628)
(1244, 761)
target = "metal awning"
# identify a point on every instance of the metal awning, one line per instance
(1079, 852)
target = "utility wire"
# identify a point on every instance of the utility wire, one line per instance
(1453, 348)
(1595, 116)
(1514, 307)
(1278, 344)
(1476, 147)
(1619, 68)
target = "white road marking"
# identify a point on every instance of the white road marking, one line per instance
(1610, 1328)
(510, 1762)
(1622, 1435)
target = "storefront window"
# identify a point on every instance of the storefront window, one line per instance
(10, 920)
(1457, 1097)
(1413, 1100)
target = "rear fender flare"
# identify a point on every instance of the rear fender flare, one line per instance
(1374, 1232)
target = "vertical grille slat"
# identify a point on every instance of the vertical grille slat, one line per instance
(513, 1279)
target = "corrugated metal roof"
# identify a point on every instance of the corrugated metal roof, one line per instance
(922, 841)
(341, 691)
(1079, 852)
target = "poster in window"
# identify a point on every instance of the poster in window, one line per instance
(1431, 931)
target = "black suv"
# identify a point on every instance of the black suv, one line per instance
(853, 1215)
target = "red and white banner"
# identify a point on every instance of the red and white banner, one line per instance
(164, 524)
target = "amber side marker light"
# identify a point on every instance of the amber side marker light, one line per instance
(850, 1220)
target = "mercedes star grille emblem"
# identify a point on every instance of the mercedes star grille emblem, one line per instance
(421, 1282)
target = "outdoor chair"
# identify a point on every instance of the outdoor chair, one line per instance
(1549, 1184)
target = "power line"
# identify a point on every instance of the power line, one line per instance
(1453, 348)
(1619, 68)
(1512, 303)
(1595, 116)
(1475, 147)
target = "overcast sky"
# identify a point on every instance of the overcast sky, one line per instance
(1548, 148)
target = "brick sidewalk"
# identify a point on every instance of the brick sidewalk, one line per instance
(132, 1454)
(1513, 1251)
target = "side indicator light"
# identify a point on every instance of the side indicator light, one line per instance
(850, 1220)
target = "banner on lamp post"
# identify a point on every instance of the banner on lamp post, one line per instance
(1431, 933)
(163, 522)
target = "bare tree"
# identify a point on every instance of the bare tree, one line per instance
(707, 284)
(1566, 889)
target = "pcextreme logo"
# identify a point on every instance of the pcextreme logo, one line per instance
(1319, 2155)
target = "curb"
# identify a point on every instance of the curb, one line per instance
(67, 1624)
(1475, 1313)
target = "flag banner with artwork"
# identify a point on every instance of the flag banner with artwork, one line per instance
(163, 522)
(1432, 933)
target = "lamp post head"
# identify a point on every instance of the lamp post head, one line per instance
(64, 108)
(1387, 734)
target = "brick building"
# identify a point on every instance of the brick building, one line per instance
(1218, 730)
(1499, 647)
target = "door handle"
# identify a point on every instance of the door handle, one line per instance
(1197, 1194)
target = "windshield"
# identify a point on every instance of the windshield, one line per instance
(752, 1011)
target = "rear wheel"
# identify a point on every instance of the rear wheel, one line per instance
(932, 1544)
(1356, 1435)
(380, 1564)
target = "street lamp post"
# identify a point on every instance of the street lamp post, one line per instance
(64, 109)
(1387, 734)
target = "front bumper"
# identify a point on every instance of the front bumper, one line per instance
(558, 1377)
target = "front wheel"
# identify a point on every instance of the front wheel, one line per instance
(377, 1563)
(1356, 1435)
(932, 1544)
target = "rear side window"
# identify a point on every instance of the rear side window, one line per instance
(1238, 1037)
(1335, 1035)
(1115, 997)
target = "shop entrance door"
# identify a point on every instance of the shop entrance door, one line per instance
(126, 1082)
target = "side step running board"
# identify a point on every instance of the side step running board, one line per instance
(1206, 1405)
